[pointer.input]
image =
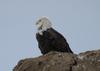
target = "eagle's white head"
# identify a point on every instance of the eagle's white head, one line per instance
(43, 23)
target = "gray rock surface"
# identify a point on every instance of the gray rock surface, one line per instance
(57, 61)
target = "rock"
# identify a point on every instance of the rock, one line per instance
(90, 55)
(58, 61)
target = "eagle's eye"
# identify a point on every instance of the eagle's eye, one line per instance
(40, 20)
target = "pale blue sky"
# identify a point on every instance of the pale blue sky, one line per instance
(77, 20)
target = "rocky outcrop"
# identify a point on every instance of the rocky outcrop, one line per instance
(57, 61)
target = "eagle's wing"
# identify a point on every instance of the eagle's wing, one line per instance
(58, 41)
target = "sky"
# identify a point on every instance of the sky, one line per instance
(77, 20)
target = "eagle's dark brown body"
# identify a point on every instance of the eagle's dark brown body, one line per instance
(51, 40)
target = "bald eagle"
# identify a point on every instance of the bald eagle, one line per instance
(49, 39)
